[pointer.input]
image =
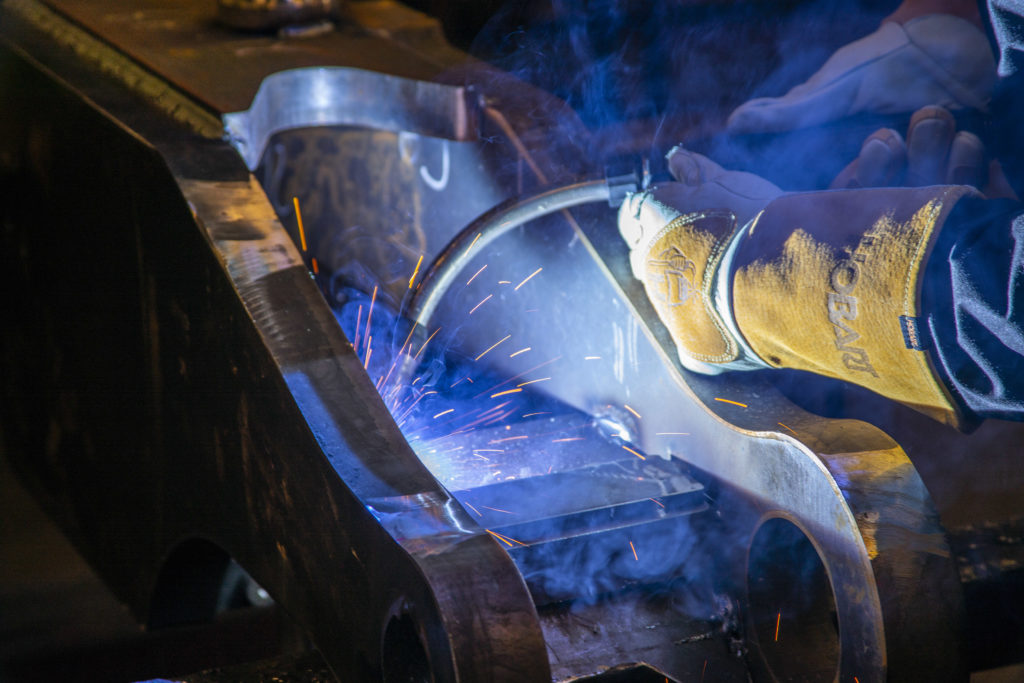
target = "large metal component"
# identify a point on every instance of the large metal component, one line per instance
(177, 380)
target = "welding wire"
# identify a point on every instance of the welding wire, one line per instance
(489, 349)
(373, 300)
(477, 272)
(415, 271)
(527, 279)
(735, 403)
(298, 219)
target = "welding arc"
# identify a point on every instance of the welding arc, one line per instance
(493, 224)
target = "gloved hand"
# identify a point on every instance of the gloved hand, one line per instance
(745, 277)
(679, 235)
(932, 59)
(933, 153)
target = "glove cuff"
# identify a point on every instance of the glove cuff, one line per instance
(830, 282)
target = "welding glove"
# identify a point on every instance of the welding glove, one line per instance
(827, 282)
(934, 59)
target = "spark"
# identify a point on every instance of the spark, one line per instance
(492, 347)
(789, 428)
(633, 548)
(504, 282)
(488, 507)
(548, 412)
(506, 392)
(417, 381)
(359, 321)
(510, 438)
(444, 412)
(506, 539)
(416, 271)
(626, 406)
(855, 680)
(572, 438)
(477, 272)
(482, 302)
(672, 433)
(425, 346)
(703, 670)
(542, 379)
(316, 267)
(634, 452)
(527, 279)
(488, 450)
(473, 242)
(482, 457)
(778, 621)
(656, 502)
(369, 315)
(735, 403)
(298, 218)
(513, 355)
(479, 514)
(369, 352)
(518, 375)
(591, 357)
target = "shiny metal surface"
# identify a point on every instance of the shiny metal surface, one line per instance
(339, 96)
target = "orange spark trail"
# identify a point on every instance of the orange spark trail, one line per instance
(634, 452)
(542, 379)
(656, 502)
(477, 272)
(479, 514)
(547, 412)
(572, 438)
(631, 547)
(735, 403)
(778, 620)
(492, 347)
(473, 310)
(316, 267)
(369, 352)
(425, 345)
(415, 271)
(703, 670)
(369, 315)
(513, 355)
(527, 279)
(506, 392)
(444, 412)
(506, 539)
(487, 507)
(471, 244)
(508, 438)
(672, 433)
(789, 428)
(517, 376)
(626, 406)
(298, 218)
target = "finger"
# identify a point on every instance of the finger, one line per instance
(847, 178)
(882, 160)
(966, 160)
(691, 168)
(928, 139)
(998, 186)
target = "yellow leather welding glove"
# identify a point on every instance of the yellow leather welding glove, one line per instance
(827, 282)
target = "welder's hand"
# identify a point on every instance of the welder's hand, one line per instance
(933, 153)
(679, 236)
(933, 59)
